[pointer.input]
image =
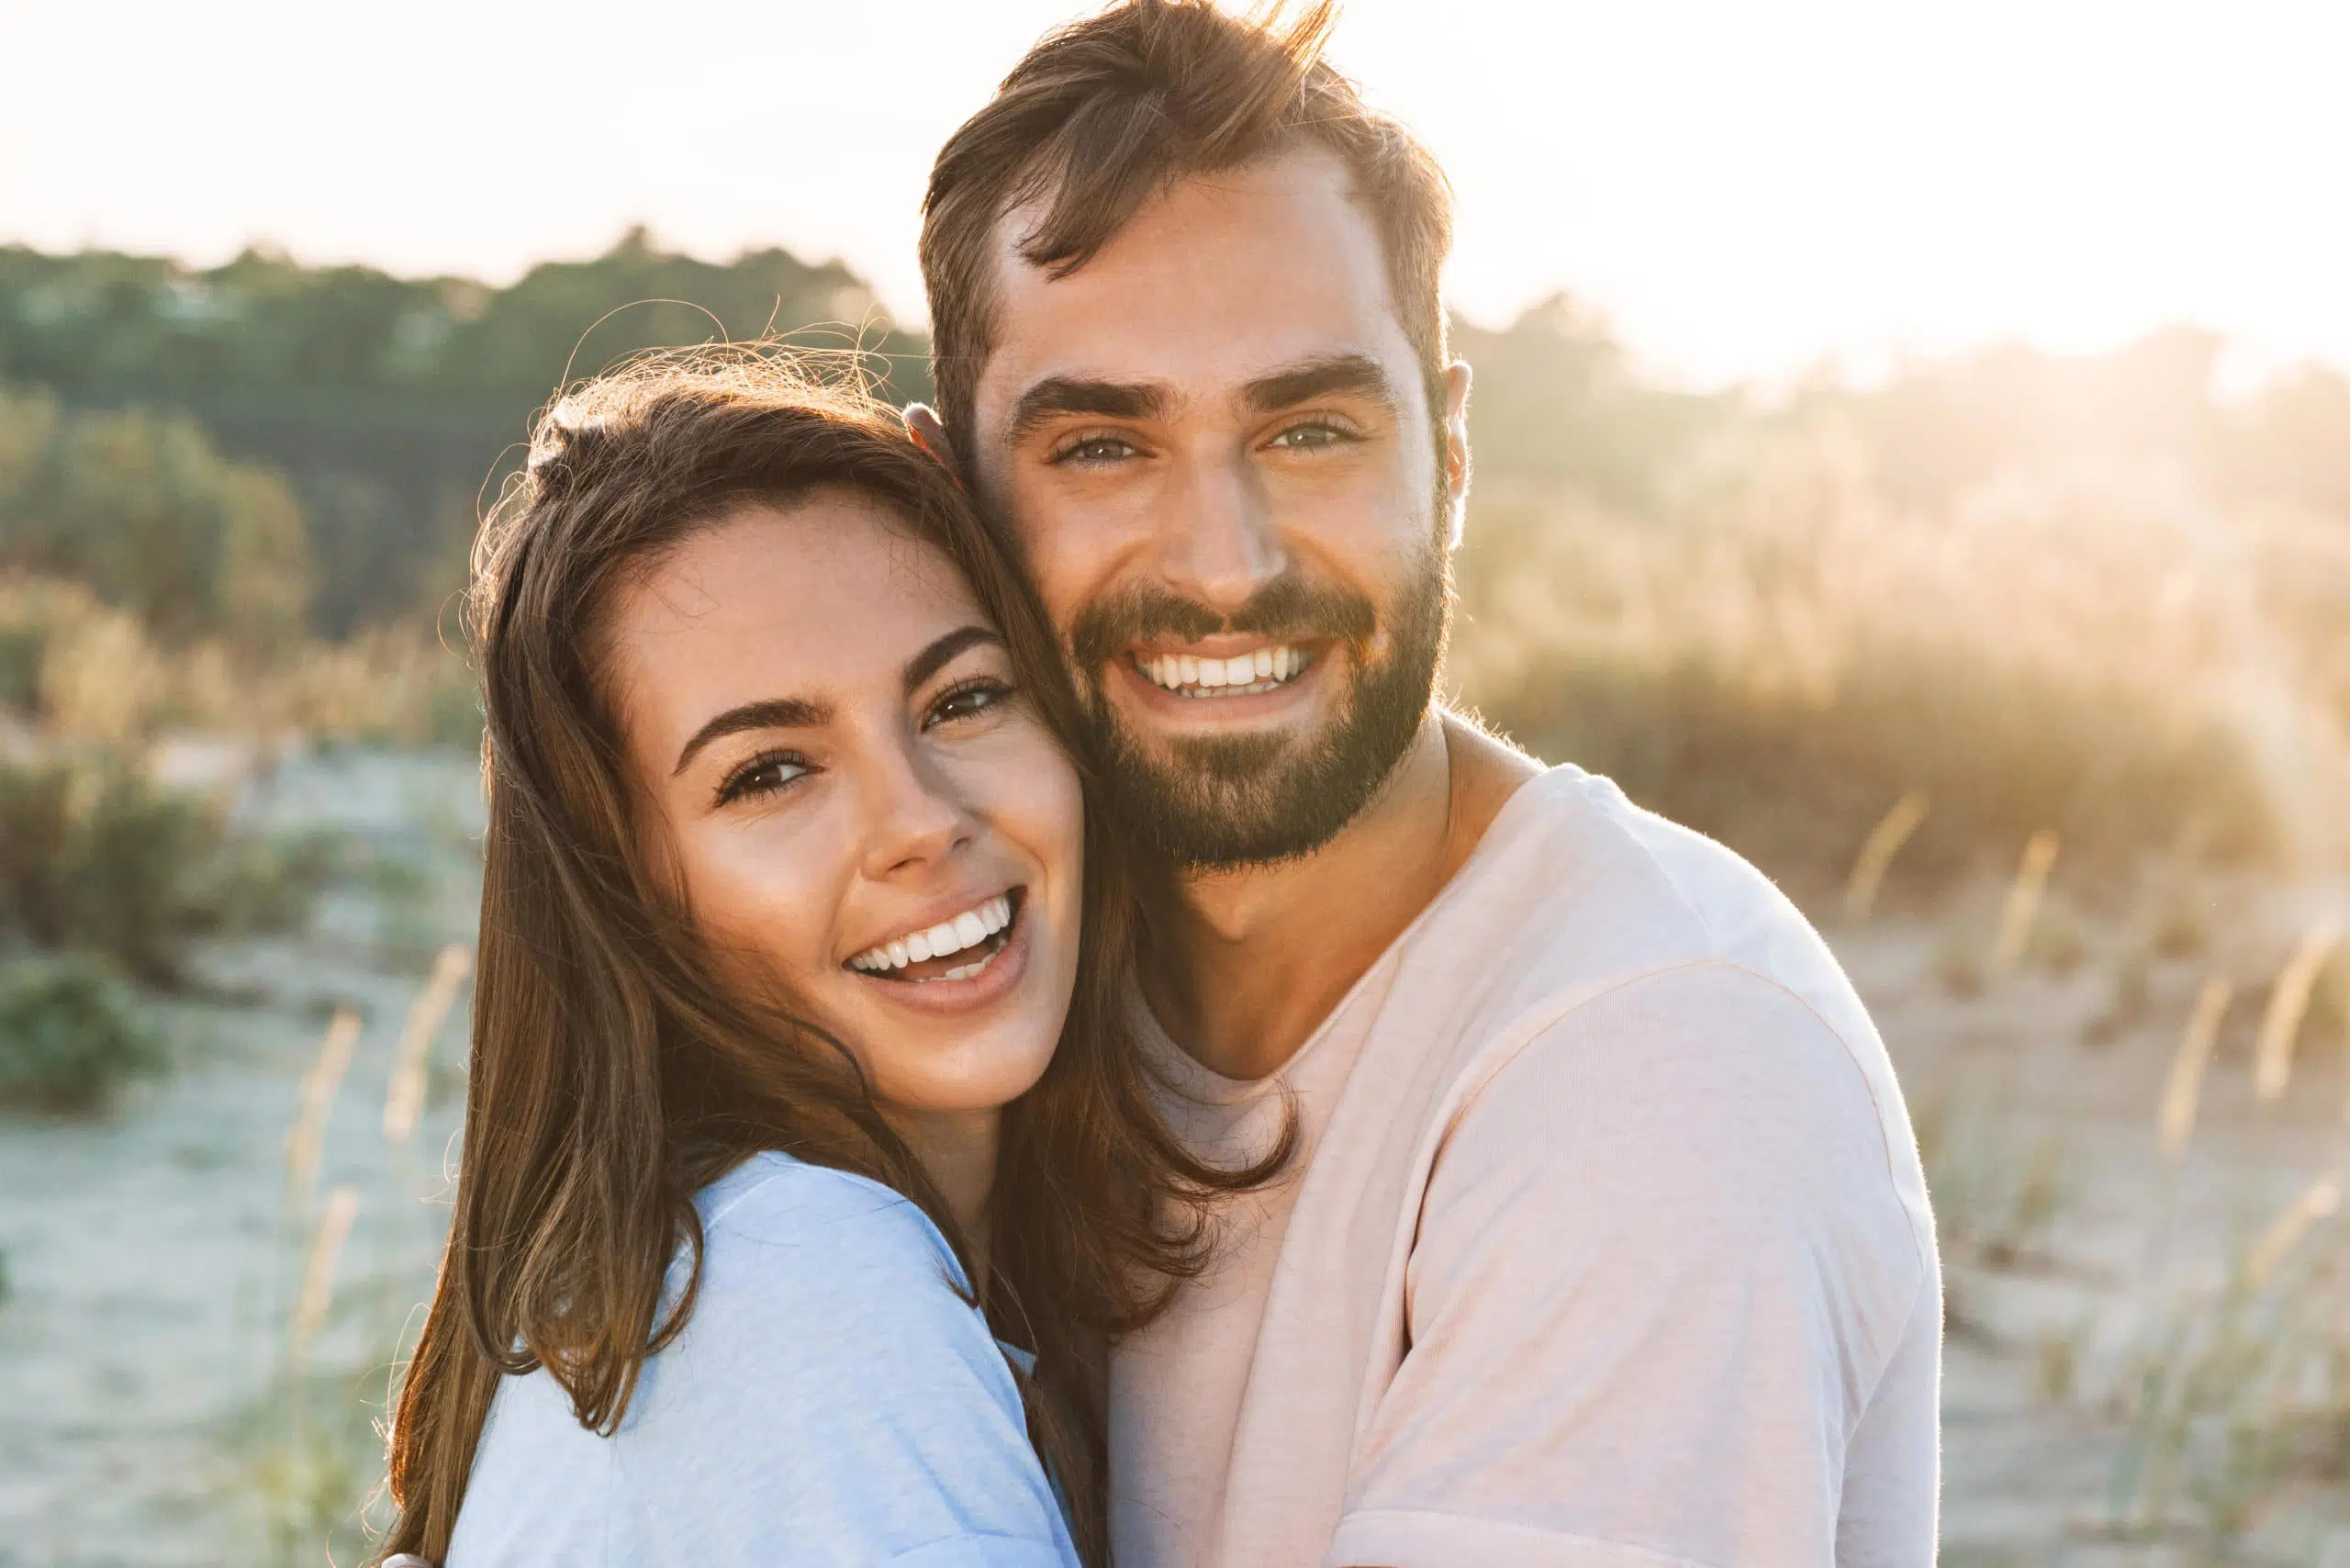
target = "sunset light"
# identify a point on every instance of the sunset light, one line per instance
(1746, 190)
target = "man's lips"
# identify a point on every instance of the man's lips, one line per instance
(1224, 666)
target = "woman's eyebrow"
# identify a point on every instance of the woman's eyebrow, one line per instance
(773, 713)
(934, 658)
(800, 713)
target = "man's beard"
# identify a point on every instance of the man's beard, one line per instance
(1224, 802)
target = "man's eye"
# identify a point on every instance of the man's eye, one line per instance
(762, 776)
(1310, 437)
(1097, 449)
(967, 702)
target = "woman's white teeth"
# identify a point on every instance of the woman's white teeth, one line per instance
(1243, 675)
(968, 929)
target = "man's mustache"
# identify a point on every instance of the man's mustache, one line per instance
(1287, 610)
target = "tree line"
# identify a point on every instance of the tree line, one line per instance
(263, 443)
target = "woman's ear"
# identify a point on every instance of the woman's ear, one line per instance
(929, 431)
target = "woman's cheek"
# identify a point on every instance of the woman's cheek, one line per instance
(753, 896)
(1040, 800)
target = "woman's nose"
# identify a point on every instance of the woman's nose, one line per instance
(915, 816)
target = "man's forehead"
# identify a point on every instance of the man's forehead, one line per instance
(1213, 283)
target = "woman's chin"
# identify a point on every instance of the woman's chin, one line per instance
(972, 1044)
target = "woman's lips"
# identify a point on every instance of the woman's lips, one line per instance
(977, 928)
(992, 971)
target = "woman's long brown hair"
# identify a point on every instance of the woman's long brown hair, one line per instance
(613, 1075)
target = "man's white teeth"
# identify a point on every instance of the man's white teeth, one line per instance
(968, 929)
(1243, 675)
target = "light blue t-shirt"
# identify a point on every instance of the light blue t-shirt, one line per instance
(832, 1402)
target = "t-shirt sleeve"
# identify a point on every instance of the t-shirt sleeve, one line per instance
(832, 1400)
(1662, 1273)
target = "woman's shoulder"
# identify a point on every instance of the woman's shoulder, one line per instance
(833, 1383)
(833, 1397)
(814, 1277)
(776, 1223)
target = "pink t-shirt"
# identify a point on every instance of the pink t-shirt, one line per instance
(1610, 1245)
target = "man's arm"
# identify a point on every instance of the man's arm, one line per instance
(1672, 1266)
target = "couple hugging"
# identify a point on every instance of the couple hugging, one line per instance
(1013, 1028)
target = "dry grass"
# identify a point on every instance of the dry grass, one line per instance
(1776, 653)
(2289, 1005)
(1906, 816)
(2183, 1090)
(404, 1098)
(79, 670)
(2194, 1313)
(312, 1447)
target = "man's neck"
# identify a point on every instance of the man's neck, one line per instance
(1246, 965)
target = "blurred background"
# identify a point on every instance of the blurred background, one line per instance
(1913, 445)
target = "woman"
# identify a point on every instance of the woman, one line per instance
(802, 1111)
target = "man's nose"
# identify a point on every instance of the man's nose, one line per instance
(1217, 540)
(914, 816)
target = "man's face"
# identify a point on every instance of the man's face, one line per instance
(1215, 444)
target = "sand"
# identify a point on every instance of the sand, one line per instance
(153, 1254)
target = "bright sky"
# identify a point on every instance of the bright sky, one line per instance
(1745, 188)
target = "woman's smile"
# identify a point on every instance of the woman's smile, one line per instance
(955, 966)
(922, 953)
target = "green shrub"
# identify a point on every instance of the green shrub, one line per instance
(71, 1034)
(96, 857)
(145, 509)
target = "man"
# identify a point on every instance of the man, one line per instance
(1607, 1242)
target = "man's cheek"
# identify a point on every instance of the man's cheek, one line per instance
(1062, 565)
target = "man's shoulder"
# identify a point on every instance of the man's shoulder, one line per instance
(1601, 953)
(1575, 890)
(1578, 895)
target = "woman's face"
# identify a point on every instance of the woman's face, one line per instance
(860, 804)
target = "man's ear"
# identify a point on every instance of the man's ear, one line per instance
(929, 431)
(1456, 448)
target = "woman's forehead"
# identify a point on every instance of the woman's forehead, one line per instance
(835, 562)
(821, 600)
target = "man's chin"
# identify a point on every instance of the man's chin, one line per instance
(1222, 783)
(1247, 797)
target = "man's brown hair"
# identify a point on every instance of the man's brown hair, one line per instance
(1108, 112)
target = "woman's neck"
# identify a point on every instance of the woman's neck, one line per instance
(957, 1152)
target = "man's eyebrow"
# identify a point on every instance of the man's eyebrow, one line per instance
(940, 653)
(1308, 379)
(1058, 395)
(773, 713)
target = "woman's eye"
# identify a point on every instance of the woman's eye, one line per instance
(1097, 449)
(761, 776)
(969, 701)
(1308, 438)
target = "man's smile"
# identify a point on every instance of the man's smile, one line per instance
(1220, 672)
